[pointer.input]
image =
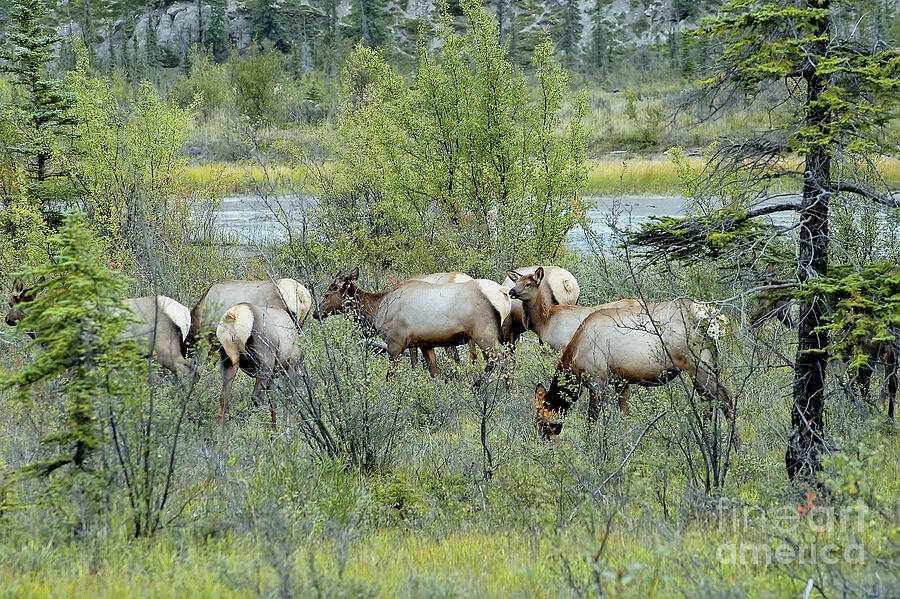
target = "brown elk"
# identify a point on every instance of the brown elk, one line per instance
(158, 320)
(646, 345)
(555, 324)
(560, 288)
(442, 278)
(260, 341)
(285, 294)
(418, 314)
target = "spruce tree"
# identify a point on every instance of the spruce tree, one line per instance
(571, 32)
(369, 19)
(45, 114)
(215, 39)
(842, 85)
(269, 23)
(77, 318)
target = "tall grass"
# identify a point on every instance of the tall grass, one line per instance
(629, 173)
(240, 178)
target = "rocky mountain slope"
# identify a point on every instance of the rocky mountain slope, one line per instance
(577, 25)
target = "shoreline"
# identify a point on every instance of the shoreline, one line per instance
(622, 173)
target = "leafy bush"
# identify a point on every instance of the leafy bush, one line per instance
(460, 169)
(256, 76)
(130, 165)
(208, 80)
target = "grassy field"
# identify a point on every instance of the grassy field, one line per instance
(264, 514)
(627, 173)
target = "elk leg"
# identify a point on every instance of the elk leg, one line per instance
(598, 388)
(595, 396)
(623, 394)
(430, 360)
(473, 351)
(414, 357)
(452, 353)
(707, 384)
(229, 371)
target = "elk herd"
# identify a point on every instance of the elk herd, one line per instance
(255, 327)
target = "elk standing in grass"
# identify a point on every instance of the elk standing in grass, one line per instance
(260, 341)
(285, 294)
(418, 314)
(646, 345)
(159, 321)
(440, 278)
(560, 288)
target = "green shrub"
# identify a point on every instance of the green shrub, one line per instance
(257, 76)
(207, 80)
(461, 169)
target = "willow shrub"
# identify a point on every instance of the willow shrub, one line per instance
(128, 160)
(461, 167)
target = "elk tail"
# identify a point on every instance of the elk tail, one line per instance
(234, 330)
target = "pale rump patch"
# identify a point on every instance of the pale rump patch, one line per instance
(234, 330)
(497, 295)
(296, 297)
(178, 313)
(567, 286)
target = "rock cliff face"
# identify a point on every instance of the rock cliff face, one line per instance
(174, 26)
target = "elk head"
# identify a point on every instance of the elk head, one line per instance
(526, 287)
(19, 295)
(544, 415)
(341, 289)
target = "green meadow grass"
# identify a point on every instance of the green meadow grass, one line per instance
(620, 174)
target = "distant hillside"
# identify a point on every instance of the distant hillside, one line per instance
(588, 32)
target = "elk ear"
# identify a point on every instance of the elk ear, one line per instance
(353, 274)
(18, 285)
(513, 275)
(540, 392)
(538, 275)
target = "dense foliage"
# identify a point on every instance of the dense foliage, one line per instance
(380, 480)
(461, 167)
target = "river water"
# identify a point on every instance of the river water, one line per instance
(250, 220)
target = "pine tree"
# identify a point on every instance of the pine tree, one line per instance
(369, 18)
(77, 317)
(216, 38)
(571, 32)
(599, 41)
(45, 114)
(843, 86)
(270, 23)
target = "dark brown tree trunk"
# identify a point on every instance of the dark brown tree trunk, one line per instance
(806, 440)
